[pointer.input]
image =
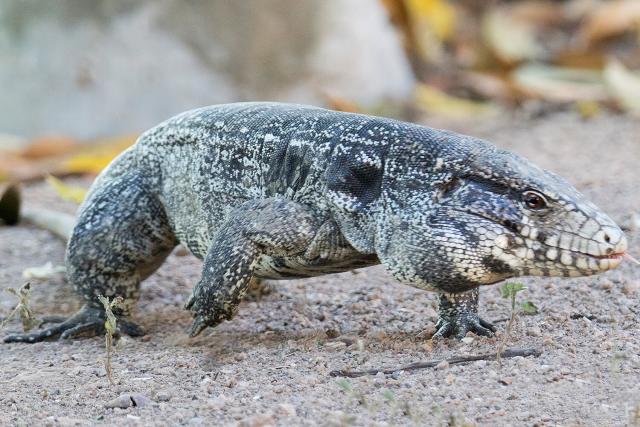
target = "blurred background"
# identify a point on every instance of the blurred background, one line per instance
(80, 79)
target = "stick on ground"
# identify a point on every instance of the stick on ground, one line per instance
(511, 352)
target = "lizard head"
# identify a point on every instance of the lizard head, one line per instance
(471, 214)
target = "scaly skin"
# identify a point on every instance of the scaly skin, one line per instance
(265, 190)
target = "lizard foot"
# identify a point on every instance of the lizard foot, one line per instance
(460, 324)
(86, 320)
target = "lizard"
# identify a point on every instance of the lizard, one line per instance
(280, 191)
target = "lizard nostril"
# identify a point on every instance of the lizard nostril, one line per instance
(607, 238)
(609, 251)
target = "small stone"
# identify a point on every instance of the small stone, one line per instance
(163, 396)
(442, 365)
(505, 381)
(332, 333)
(606, 285)
(286, 410)
(468, 340)
(534, 331)
(123, 401)
(631, 288)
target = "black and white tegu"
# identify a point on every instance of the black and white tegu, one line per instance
(280, 191)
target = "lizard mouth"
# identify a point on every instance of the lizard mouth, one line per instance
(616, 256)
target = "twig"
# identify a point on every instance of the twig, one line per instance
(110, 326)
(510, 352)
(29, 320)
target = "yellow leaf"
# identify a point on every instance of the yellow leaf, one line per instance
(66, 192)
(438, 15)
(96, 157)
(435, 101)
(588, 109)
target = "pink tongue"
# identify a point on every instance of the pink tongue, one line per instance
(632, 259)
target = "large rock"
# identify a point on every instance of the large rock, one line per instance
(104, 67)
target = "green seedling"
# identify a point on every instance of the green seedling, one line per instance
(29, 320)
(509, 291)
(110, 326)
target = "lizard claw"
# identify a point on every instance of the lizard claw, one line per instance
(199, 323)
(190, 301)
(458, 326)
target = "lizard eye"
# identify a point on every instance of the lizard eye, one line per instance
(534, 200)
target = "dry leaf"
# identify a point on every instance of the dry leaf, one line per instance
(538, 12)
(67, 192)
(49, 146)
(95, 157)
(588, 109)
(611, 18)
(487, 85)
(624, 86)
(510, 39)
(438, 16)
(435, 101)
(559, 84)
(339, 103)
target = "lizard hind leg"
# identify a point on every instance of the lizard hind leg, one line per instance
(113, 247)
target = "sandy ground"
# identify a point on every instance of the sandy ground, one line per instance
(271, 364)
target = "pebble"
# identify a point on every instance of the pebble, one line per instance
(163, 396)
(332, 333)
(128, 400)
(534, 331)
(631, 288)
(506, 381)
(606, 285)
(286, 410)
(468, 340)
(443, 365)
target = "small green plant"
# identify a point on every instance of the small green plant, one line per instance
(29, 320)
(110, 326)
(509, 291)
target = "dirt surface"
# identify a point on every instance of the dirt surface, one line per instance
(271, 364)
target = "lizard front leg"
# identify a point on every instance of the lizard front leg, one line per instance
(458, 314)
(274, 227)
